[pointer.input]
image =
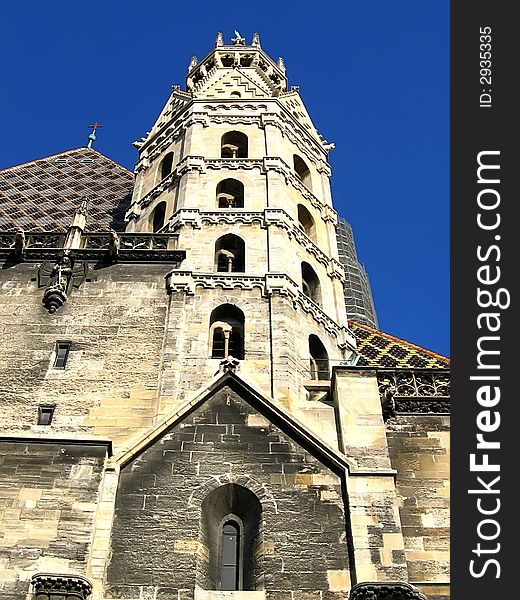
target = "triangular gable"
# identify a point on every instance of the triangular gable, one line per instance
(294, 104)
(265, 405)
(234, 80)
(378, 349)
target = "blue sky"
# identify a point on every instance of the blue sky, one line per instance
(373, 75)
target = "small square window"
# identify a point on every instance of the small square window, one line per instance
(45, 414)
(62, 353)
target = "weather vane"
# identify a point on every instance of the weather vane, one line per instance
(92, 136)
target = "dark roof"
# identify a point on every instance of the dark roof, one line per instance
(42, 195)
(384, 351)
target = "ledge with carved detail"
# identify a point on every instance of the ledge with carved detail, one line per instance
(99, 247)
(270, 284)
(48, 586)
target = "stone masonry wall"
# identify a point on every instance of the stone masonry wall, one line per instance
(48, 496)
(157, 525)
(419, 448)
(115, 323)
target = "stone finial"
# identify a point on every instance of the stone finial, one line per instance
(19, 244)
(220, 40)
(281, 64)
(256, 40)
(229, 364)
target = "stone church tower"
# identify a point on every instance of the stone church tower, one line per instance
(187, 412)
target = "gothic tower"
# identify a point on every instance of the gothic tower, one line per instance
(187, 412)
(235, 167)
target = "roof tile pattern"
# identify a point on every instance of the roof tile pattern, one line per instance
(42, 195)
(382, 350)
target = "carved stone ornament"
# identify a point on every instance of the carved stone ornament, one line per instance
(67, 587)
(391, 590)
(229, 364)
(61, 277)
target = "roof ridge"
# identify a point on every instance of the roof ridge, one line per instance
(396, 339)
(35, 160)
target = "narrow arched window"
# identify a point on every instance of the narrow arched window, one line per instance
(306, 222)
(310, 283)
(233, 145)
(230, 194)
(227, 332)
(230, 254)
(158, 217)
(230, 556)
(302, 170)
(319, 359)
(166, 166)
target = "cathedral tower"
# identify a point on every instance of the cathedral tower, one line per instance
(235, 167)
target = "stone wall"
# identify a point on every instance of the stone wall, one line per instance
(48, 499)
(158, 520)
(419, 447)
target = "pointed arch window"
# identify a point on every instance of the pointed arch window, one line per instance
(227, 332)
(230, 563)
(158, 217)
(233, 144)
(230, 194)
(319, 359)
(230, 254)
(310, 283)
(231, 530)
(302, 170)
(306, 222)
(166, 166)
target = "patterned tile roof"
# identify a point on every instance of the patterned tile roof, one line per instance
(378, 349)
(42, 195)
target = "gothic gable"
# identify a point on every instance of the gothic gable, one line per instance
(233, 82)
(226, 459)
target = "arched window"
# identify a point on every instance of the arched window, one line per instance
(231, 531)
(302, 170)
(230, 254)
(311, 283)
(230, 566)
(319, 359)
(306, 222)
(226, 328)
(166, 166)
(230, 194)
(157, 217)
(233, 145)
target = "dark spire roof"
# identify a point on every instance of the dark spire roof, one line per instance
(42, 195)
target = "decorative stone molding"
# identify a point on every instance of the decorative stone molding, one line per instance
(48, 586)
(385, 591)
(425, 391)
(180, 281)
(231, 217)
(233, 163)
(190, 163)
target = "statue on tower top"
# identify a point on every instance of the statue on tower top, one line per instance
(238, 40)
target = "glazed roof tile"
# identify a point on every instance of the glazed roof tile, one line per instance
(42, 195)
(384, 351)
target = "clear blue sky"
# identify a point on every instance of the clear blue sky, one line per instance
(373, 75)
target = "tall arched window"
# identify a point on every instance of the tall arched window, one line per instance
(231, 531)
(230, 194)
(319, 359)
(226, 328)
(233, 145)
(302, 170)
(166, 166)
(230, 563)
(157, 217)
(306, 222)
(230, 254)
(311, 283)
